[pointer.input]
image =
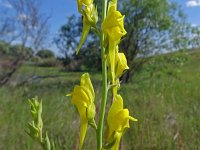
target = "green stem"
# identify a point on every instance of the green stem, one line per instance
(104, 83)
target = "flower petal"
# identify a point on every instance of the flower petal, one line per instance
(116, 107)
(118, 121)
(79, 97)
(113, 25)
(83, 130)
(121, 64)
(87, 85)
(117, 142)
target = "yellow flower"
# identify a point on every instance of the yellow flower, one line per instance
(90, 18)
(83, 2)
(113, 27)
(83, 98)
(91, 15)
(120, 64)
(120, 67)
(118, 121)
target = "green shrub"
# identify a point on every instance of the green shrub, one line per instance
(45, 54)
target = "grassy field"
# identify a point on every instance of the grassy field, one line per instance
(167, 107)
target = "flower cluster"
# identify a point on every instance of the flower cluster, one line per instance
(83, 95)
(113, 27)
(114, 64)
(118, 117)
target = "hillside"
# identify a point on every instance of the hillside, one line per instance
(166, 103)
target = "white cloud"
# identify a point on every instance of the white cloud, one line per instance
(193, 3)
(194, 25)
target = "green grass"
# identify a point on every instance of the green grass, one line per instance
(167, 109)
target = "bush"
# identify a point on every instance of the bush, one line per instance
(4, 47)
(16, 50)
(45, 54)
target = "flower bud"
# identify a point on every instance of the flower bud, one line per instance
(83, 2)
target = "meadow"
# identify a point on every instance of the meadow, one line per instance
(167, 108)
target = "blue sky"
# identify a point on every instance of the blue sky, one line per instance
(60, 9)
(192, 10)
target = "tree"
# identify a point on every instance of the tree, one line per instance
(67, 41)
(195, 37)
(45, 54)
(15, 50)
(153, 27)
(90, 54)
(68, 36)
(26, 25)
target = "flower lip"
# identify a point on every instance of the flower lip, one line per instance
(118, 120)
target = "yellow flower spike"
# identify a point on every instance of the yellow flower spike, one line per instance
(83, 98)
(113, 28)
(118, 121)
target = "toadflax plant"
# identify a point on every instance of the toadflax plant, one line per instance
(114, 64)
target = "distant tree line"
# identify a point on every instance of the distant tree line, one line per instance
(153, 27)
(14, 50)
